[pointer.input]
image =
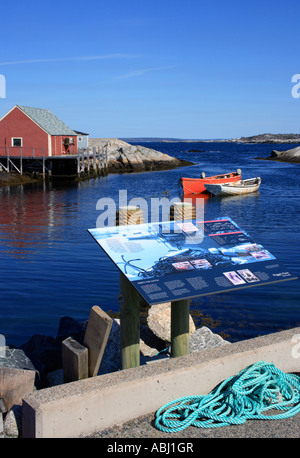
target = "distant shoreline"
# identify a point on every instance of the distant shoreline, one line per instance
(261, 138)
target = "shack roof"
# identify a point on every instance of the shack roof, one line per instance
(47, 121)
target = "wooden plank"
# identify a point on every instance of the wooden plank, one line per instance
(75, 360)
(96, 336)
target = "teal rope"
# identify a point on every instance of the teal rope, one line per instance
(255, 390)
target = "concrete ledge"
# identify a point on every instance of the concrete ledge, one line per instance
(84, 407)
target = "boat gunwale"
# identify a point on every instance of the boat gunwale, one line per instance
(234, 188)
(224, 176)
(242, 183)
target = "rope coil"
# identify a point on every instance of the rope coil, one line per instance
(259, 388)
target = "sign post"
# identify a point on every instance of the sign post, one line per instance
(180, 328)
(129, 324)
(175, 261)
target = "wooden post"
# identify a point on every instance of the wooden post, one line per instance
(43, 164)
(129, 308)
(75, 360)
(88, 160)
(180, 328)
(21, 162)
(106, 157)
(99, 158)
(78, 161)
(96, 337)
(180, 310)
(7, 152)
(83, 162)
(94, 158)
(129, 324)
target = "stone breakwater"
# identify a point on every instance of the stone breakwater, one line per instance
(123, 157)
(42, 354)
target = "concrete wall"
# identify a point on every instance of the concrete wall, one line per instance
(94, 404)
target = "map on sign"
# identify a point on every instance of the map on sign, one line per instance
(173, 260)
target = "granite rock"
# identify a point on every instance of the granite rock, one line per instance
(122, 156)
(44, 352)
(13, 422)
(204, 338)
(15, 358)
(291, 155)
(159, 321)
(69, 327)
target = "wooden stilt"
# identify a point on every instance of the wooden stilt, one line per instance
(129, 324)
(21, 162)
(180, 329)
(43, 164)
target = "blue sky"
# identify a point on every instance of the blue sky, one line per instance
(183, 69)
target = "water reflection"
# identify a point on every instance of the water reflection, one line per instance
(28, 217)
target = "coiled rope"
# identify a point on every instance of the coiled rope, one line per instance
(259, 388)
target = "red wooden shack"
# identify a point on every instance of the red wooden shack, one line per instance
(35, 132)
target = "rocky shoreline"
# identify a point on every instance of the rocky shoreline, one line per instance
(42, 354)
(14, 179)
(121, 158)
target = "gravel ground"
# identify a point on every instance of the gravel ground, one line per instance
(144, 427)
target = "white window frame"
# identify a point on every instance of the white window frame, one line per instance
(16, 138)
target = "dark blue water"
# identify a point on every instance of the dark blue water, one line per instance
(51, 267)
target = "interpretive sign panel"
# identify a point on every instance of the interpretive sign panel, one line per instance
(175, 260)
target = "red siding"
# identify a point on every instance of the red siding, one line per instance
(56, 142)
(59, 147)
(17, 124)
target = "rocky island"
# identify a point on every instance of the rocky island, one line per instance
(269, 138)
(290, 155)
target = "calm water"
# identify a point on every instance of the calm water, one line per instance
(51, 267)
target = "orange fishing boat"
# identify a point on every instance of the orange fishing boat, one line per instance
(197, 185)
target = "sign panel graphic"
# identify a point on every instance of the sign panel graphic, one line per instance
(173, 260)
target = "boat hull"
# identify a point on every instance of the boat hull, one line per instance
(197, 185)
(241, 188)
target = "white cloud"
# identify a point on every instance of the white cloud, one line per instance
(62, 59)
(142, 71)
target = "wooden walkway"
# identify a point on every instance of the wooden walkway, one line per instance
(85, 161)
